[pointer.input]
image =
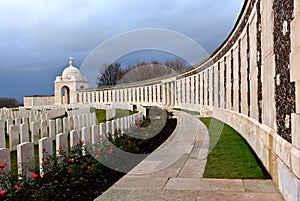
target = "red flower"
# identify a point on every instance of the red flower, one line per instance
(69, 160)
(129, 141)
(3, 192)
(147, 135)
(97, 156)
(89, 167)
(34, 176)
(99, 150)
(45, 162)
(43, 150)
(110, 150)
(2, 165)
(19, 188)
(60, 147)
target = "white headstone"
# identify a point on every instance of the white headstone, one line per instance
(14, 131)
(45, 151)
(26, 160)
(65, 125)
(44, 129)
(5, 158)
(52, 129)
(24, 133)
(58, 126)
(95, 133)
(35, 132)
(61, 143)
(74, 138)
(2, 134)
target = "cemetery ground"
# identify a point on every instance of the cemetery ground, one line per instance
(78, 175)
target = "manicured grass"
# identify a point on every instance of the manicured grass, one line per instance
(231, 157)
(101, 114)
(123, 113)
(187, 111)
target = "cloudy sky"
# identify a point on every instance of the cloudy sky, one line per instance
(38, 37)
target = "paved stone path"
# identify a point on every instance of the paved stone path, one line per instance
(174, 172)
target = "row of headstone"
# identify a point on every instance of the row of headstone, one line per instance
(23, 112)
(46, 128)
(89, 134)
(76, 112)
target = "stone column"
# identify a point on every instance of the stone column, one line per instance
(192, 81)
(146, 94)
(172, 94)
(197, 89)
(128, 95)
(164, 96)
(154, 92)
(138, 95)
(159, 93)
(188, 90)
(178, 91)
(97, 96)
(101, 97)
(142, 95)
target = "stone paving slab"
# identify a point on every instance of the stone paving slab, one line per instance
(174, 172)
(234, 185)
(140, 182)
(238, 196)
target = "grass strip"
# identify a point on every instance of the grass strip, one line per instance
(231, 157)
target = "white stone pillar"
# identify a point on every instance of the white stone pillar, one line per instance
(154, 92)
(188, 90)
(101, 97)
(159, 86)
(142, 95)
(192, 79)
(172, 94)
(146, 95)
(197, 89)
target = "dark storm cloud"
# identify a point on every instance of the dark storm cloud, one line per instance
(39, 36)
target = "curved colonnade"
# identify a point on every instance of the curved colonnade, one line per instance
(251, 83)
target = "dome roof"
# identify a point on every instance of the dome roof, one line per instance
(71, 71)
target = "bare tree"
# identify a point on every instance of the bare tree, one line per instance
(111, 75)
(176, 65)
(8, 102)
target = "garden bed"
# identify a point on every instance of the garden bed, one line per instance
(78, 175)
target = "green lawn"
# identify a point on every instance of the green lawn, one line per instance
(187, 111)
(231, 157)
(101, 114)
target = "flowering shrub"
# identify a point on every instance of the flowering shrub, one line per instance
(77, 174)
